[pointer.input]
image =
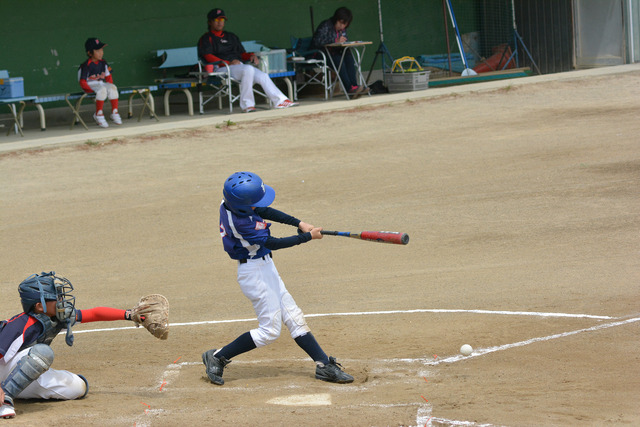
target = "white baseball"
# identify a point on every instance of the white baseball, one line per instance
(466, 350)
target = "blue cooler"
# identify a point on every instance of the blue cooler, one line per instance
(11, 87)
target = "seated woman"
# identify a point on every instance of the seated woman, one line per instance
(334, 30)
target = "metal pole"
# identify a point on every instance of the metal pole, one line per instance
(380, 22)
(446, 31)
(519, 39)
(515, 33)
(313, 27)
(631, 38)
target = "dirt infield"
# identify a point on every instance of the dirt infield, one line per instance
(523, 207)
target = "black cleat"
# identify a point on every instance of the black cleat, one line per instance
(332, 373)
(215, 366)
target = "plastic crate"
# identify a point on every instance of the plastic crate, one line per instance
(407, 82)
(273, 61)
(12, 87)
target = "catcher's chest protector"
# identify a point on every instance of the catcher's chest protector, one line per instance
(51, 328)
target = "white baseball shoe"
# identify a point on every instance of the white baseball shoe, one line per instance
(286, 104)
(100, 120)
(7, 411)
(115, 118)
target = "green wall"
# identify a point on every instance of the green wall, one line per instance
(43, 41)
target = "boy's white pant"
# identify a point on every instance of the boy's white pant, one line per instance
(104, 90)
(52, 384)
(261, 283)
(249, 76)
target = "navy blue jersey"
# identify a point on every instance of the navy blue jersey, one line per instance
(243, 237)
(250, 237)
(18, 333)
(94, 71)
(227, 47)
(24, 330)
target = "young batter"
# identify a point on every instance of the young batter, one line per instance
(25, 352)
(247, 239)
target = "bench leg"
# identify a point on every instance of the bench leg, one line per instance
(292, 93)
(152, 106)
(130, 112)
(43, 122)
(166, 102)
(189, 101)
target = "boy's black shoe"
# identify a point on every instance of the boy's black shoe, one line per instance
(331, 372)
(215, 366)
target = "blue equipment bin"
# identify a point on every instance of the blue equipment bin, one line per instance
(442, 61)
(12, 87)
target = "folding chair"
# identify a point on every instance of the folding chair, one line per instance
(16, 113)
(147, 100)
(311, 64)
(219, 80)
(79, 96)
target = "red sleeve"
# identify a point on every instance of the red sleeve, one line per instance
(109, 79)
(246, 56)
(210, 58)
(100, 314)
(85, 86)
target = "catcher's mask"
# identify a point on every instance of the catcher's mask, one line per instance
(243, 190)
(45, 287)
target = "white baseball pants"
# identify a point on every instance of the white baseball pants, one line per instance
(261, 283)
(249, 76)
(104, 90)
(52, 384)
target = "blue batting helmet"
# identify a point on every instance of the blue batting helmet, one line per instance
(243, 190)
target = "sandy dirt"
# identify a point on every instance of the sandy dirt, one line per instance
(519, 202)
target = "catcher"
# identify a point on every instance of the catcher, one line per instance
(49, 307)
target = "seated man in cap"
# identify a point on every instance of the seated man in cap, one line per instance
(219, 45)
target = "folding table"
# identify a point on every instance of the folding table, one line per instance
(357, 58)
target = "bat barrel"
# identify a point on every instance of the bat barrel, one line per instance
(386, 237)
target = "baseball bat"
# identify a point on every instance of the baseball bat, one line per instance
(373, 236)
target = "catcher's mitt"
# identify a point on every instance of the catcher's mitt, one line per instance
(152, 312)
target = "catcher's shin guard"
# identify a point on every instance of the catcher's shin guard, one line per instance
(27, 370)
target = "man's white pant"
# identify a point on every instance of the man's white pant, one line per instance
(249, 76)
(52, 384)
(261, 283)
(104, 90)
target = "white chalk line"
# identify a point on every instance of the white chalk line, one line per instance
(373, 313)
(424, 418)
(483, 351)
